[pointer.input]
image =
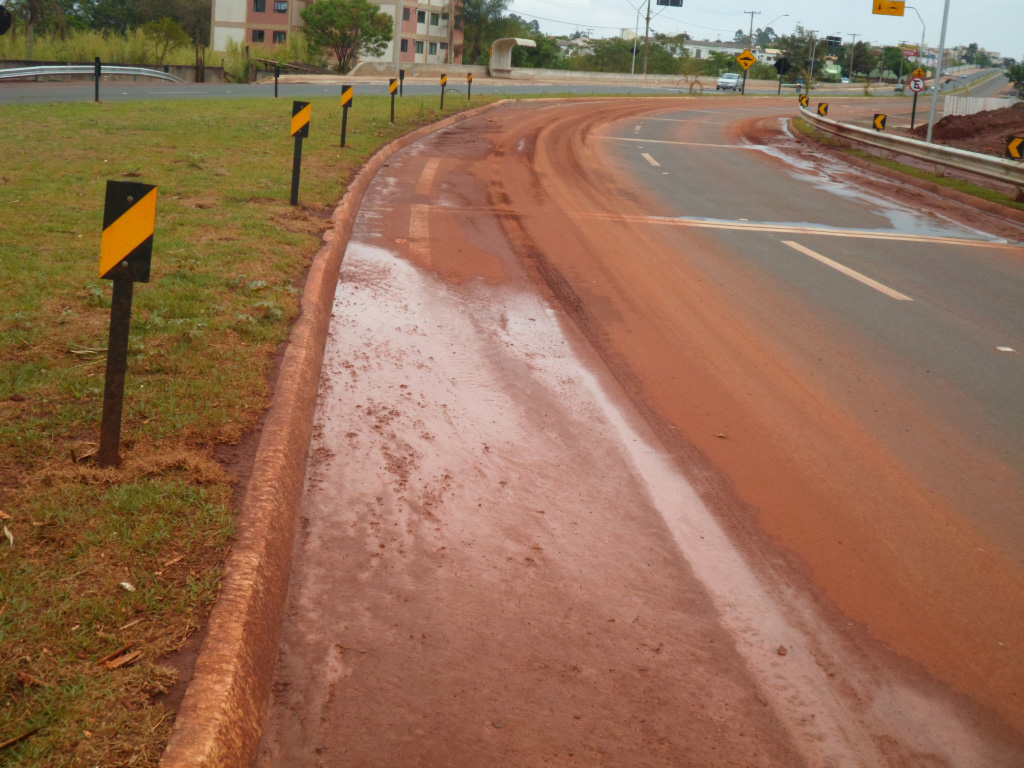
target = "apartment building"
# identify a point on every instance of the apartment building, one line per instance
(424, 32)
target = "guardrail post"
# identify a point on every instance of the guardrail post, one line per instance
(99, 68)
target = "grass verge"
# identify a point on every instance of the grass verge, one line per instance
(103, 572)
(960, 185)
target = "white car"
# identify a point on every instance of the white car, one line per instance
(730, 81)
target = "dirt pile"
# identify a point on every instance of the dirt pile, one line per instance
(986, 132)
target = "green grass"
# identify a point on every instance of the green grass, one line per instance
(229, 256)
(966, 187)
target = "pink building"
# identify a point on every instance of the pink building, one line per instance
(424, 32)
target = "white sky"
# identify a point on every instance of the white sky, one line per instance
(995, 25)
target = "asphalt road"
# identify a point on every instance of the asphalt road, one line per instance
(630, 406)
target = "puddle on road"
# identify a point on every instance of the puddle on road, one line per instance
(824, 173)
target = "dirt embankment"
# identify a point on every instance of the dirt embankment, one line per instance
(986, 132)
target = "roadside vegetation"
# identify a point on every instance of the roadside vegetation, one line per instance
(105, 571)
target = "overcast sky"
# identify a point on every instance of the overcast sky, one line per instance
(995, 25)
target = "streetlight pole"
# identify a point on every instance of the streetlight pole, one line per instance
(920, 51)
(853, 46)
(636, 36)
(938, 72)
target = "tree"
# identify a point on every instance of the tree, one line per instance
(45, 15)
(1015, 72)
(349, 28)
(163, 37)
(893, 61)
(741, 37)
(476, 16)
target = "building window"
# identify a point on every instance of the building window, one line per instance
(405, 14)
(419, 46)
(421, 17)
(258, 35)
(444, 46)
(433, 49)
(280, 37)
(280, 6)
(405, 45)
(444, 15)
(259, 6)
(434, 19)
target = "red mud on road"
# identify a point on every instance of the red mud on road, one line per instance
(502, 560)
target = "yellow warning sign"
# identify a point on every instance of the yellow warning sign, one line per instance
(444, 80)
(393, 86)
(747, 59)
(300, 118)
(127, 232)
(880, 122)
(805, 101)
(888, 7)
(346, 95)
(823, 108)
(469, 77)
(1015, 148)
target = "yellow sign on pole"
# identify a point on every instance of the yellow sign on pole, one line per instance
(919, 73)
(888, 7)
(823, 109)
(880, 122)
(128, 233)
(301, 112)
(746, 59)
(805, 100)
(1015, 148)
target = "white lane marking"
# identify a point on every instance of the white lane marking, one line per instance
(419, 232)
(636, 129)
(427, 177)
(681, 143)
(849, 272)
(650, 160)
(1006, 349)
(745, 226)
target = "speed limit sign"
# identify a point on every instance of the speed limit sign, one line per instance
(916, 84)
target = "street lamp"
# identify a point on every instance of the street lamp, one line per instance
(853, 46)
(938, 72)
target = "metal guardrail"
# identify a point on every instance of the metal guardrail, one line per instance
(85, 69)
(996, 168)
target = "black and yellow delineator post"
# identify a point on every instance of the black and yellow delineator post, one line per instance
(301, 111)
(822, 108)
(469, 86)
(805, 101)
(879, 122)
(393, 86)
(346, 102)
(444, 82)
(1015, 147)
(129, 220)
(97, 74)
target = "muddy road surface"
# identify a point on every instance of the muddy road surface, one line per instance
(648, 438)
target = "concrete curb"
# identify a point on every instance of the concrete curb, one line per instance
(220, 720)
(977, 203)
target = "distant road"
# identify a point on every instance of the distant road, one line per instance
(51, 92)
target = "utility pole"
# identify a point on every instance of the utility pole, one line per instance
(647, 37)
(751, 46)
(853, 45)
(752, 15)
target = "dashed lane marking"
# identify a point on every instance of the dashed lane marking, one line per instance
(650, 160)
(419, 232)
(893, 294)
(426, 182)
